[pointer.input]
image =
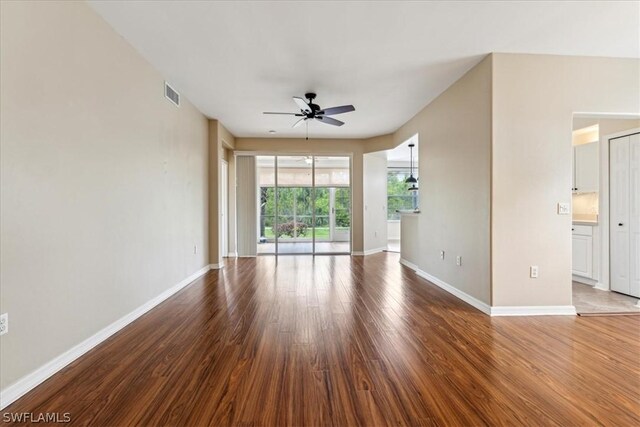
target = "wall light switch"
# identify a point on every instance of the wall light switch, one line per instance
(533, 271)
(4, 323)
(564, 208)
(441, 254)
(458, 260)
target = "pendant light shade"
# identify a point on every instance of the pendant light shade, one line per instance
(411, 179)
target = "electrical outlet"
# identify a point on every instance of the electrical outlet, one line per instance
(458, 260)
(533, 271)
(4, 323)
(441, 254)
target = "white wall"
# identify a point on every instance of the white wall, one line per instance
(375, 201)
(103, 186)
(393, 230)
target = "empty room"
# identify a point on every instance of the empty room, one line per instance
(300, 213)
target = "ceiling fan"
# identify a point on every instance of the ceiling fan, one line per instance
(310, 111)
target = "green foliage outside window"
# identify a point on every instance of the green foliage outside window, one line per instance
(398, 195)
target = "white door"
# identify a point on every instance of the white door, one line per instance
(224, 217)
(625, 214)
(634, 215)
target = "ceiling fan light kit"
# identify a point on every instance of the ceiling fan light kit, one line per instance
(311, 111)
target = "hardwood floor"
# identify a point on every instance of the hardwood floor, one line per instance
(346, 341)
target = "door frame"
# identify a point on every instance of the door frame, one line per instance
(604, 280)
(313, 155)
(224, 210)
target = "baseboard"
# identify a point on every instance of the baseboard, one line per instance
(232, 255)
(375, 251)
(25, 384)
(536, 310)
(584, 280)
(409, 264)
(357, 253)
(483, 307)
(601, 287)
(217, 266)
(568, 310)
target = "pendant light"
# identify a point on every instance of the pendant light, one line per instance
(411, 179)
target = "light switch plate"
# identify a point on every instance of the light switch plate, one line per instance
(4, 323)
(533, 271)
(564, 208)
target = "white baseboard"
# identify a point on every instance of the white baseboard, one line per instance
(217, 266)
(536, 310)
(601, 287)
(483, 307)
(357, 253)
(375, 251)
(584, 280)
(25, 384)
(567, 310)
(232, 255)
(409, 264)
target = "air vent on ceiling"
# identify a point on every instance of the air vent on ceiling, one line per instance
(171, 94)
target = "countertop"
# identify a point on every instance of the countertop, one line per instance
(590, 223)
(407, 212)
(585, 219)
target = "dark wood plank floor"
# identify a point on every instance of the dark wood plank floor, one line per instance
(346, 341)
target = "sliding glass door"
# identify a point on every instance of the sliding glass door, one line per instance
(333, 205)
(304, 205)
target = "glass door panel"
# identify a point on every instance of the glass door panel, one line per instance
(332, 205)
(294, 232)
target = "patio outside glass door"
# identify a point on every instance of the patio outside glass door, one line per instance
(304, 205)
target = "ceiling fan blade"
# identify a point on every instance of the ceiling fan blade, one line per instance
(337, 110)
(302, 104)
(299, 122)
(330, 121)
(286, 114)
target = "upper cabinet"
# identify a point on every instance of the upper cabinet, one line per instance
(585, 168)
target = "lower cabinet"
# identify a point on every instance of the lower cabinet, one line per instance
(583, 251)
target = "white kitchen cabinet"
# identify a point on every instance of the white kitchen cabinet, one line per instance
(582, 251)
(585, 168)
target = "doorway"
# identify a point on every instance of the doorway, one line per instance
(304, 205)
(602, 254)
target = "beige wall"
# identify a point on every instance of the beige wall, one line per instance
(454, 168)
(103, 186)
(534, 99)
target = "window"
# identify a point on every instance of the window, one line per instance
(398, 195)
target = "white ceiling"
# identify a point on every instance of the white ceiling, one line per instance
(234, 60)
(402, 153)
